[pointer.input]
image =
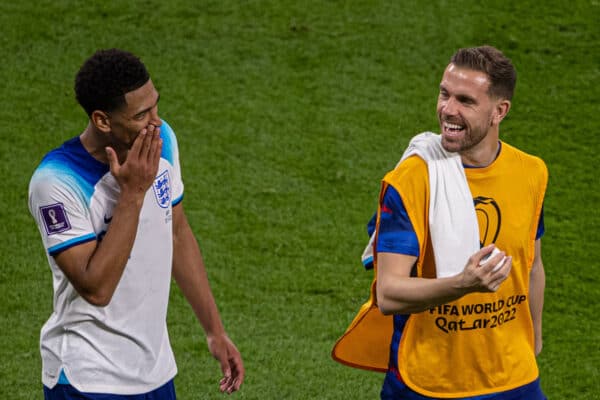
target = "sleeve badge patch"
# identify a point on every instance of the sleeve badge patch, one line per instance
(55, 218)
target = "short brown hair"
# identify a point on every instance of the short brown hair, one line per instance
(499, 69)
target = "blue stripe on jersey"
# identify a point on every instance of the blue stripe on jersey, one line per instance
(396, 233)
(72, 161)
(541, 228)
(169, 142)
(177, 201)
(70, 243)
(372, 224)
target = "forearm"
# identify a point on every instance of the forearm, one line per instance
(400, 293)
(537, 286)
(95, 269)
(190, 274)
(413, 295)
(107, 264)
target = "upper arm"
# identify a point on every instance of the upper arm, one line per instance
(63, 218)
(393, 266)
(185, 247)
(538, 265)
(74, 261)
(397, 243)
(180, 222)
(395, 232)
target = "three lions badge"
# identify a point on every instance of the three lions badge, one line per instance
(162, 189)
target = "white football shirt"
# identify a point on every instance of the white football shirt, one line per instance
(122, 348)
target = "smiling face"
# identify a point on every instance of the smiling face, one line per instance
(468, 115)
(139, 112)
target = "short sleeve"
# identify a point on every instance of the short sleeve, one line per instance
(541, 229)
(58, 206)
(170, 152)
(395, 234)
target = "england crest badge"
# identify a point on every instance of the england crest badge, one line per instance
(162, 189)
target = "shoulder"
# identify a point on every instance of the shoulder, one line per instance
(68, 168)
(524, 161)
(411, 180)
(53, 168)
(413, 169)
(169, 147)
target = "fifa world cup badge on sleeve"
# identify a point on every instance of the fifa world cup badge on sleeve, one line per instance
(55, 218)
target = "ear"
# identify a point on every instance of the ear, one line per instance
(101, 121)
(501, 110)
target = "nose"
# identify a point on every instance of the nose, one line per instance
(154, 118)
(449, 107)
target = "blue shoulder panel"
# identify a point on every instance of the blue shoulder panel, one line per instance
(169, 142)
(71, 162)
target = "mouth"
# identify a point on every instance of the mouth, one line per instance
(452, 129)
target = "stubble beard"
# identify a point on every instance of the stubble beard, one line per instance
(471, 138)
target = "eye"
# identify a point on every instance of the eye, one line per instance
(140, 116)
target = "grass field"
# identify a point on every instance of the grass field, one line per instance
(288, 114)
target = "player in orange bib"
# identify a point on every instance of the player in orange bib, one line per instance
(474, 334)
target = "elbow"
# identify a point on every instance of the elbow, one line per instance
(98, 302)
(97, 299)
(383, 303)
(392, 306)
(384, 309)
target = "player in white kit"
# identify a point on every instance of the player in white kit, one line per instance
(108, 204)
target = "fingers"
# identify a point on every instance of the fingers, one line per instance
(488, 269)
(232, 367)
(113, 160)
(236, 378)
(233, 379)
(500, 275)
(226, 382)
(149, 146)
(138, 144)
(155, 146)
(480, 257)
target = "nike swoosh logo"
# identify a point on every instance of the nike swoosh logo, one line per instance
(107, 219)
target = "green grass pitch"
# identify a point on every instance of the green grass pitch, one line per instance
(288, 115)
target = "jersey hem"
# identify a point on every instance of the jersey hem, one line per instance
(454, 395)
(54, 250)
(111, 389)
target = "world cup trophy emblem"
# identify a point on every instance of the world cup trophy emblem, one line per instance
(489, 219)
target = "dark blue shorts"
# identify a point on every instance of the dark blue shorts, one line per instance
(68, 392)
(395, 389)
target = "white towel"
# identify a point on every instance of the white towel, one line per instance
(452, 220)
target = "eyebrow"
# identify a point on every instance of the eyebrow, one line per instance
(460, 97)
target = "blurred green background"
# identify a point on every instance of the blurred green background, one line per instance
(288, 114)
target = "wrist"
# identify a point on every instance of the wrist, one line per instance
(133, 198)
(458, 285)
(216, 335)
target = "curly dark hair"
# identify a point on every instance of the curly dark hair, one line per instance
(105, 77)
(491, 61)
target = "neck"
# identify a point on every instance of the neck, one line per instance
(95, 142)
(482, 154)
